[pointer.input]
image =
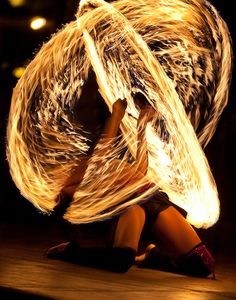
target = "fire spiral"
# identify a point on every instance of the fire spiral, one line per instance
(177, 53)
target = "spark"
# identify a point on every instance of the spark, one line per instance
(177, 53)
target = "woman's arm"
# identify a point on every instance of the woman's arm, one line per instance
(146, 115)
(111, 126)
(110, 131)
(113, 123)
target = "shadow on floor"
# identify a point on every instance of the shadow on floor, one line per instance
(15, 294)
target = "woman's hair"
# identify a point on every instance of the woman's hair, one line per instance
(140, 99)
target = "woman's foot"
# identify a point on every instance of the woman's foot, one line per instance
(57, 252)
(143, 256)
(155, 258)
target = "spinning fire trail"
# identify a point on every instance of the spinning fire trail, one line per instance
(177, 53)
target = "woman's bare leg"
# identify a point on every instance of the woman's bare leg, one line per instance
(186, 253)
(129, 228)
(176, 234)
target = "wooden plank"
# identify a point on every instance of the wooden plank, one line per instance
(25, 272)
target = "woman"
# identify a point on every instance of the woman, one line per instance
(154, 234)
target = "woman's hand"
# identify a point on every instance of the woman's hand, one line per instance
(147, 113)
(119, 107)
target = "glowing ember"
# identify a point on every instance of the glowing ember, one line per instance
(177, 53)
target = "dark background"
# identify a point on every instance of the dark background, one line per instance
(18, 44)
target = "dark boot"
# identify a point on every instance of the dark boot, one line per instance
(198, 262)
(114, 259)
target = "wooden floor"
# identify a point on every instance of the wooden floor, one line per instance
(25, 273)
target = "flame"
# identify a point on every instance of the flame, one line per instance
(177, 53)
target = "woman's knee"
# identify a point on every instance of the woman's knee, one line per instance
(175, 232)
(129, 228)
(137, 212)
(170, 216)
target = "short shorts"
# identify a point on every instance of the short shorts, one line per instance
(102, 233)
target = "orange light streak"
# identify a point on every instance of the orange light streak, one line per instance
(177, 53)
